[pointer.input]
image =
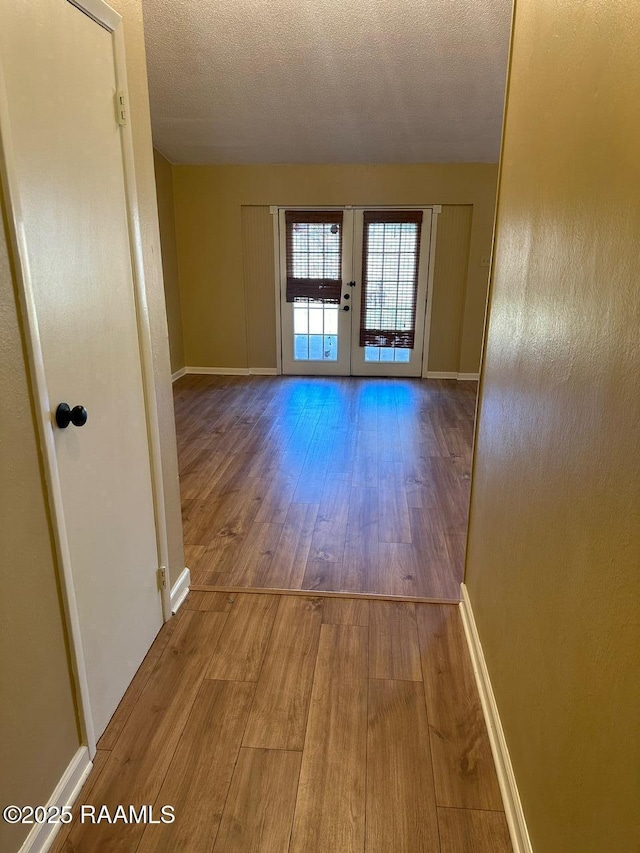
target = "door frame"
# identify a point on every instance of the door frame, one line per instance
(110, 20)
(275, 209)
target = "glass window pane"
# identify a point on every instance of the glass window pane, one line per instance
(315, 321)
(372, 353)
(300, 347)
(300, 320)
(331, 321)
(330, 347)
(386, 353)
(402, 355)
(315, 347)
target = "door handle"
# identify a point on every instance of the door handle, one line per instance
(66, 415)
(345, 307)
(346, 296)
(351, 284)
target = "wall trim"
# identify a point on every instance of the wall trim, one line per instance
(273, 371)
(218, 371)
(504, 769)
(232, 371)
(65, 793)
(441, 374)
(180, 590)
(450, 374)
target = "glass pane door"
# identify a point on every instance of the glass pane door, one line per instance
(315, 301)
(391, 261)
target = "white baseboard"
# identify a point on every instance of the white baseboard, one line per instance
(448, 374)
(178, 374)
(441, 374)
(233, 371)
(218, 371)
(473, 377)
(65, 793)
(506, 778)
(180, 590)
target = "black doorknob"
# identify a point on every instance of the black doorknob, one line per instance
(345, 308)
(66, 415)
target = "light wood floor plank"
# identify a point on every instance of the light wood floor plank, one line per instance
(221, 602)
(278, 715)
(330, 809)
(255, 555)
(345, 611)
(240, 650)
(394, 525)
(259, 810)
(198, 778)
(292, 551)
(401, 804)
(465, 775)
(468, 831)
(323, 575)
(393, 642)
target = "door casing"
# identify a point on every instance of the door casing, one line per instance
(111, 21)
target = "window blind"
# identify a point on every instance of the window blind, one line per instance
(390, 255)
(314, 255)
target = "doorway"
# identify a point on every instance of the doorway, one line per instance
(355, 290)
(73, 219)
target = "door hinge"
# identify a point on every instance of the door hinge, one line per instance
(121, 108)
(162, 578)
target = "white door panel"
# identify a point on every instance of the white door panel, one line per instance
(389, 360)
(58, 66)
(316, 338)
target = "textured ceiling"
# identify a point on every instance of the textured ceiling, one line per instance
(331, 81)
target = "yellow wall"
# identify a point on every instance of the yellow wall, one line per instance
(209, 201)
(164, 190)
(553, 565)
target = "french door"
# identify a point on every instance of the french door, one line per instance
(353, 290)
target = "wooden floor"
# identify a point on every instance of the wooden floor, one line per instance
(275, 723)
(353, 485)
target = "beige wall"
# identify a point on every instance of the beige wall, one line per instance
(553, 566)
(164, 190)
(39, 732)
(215, 276)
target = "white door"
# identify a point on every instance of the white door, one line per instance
(59, 76)
(375, 324)
(316, 246)
(391, 253)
